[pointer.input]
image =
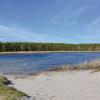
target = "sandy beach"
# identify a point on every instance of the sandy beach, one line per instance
(34, 52)
(63, 85)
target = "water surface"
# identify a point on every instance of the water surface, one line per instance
(28, 63)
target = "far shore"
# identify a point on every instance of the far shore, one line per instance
(29, 52)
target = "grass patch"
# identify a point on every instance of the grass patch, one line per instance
(9, 93)
(91, 65)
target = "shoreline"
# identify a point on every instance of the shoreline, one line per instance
(60, 85)
(93, 65)
(34, 52)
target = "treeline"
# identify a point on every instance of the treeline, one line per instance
(31, 46)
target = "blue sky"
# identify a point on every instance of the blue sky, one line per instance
(68, 21)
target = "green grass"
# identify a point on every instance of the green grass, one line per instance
(9, 93)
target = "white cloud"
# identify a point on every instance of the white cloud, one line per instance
(68, 15)
(15, 33)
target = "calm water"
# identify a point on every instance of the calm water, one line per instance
(28, 63)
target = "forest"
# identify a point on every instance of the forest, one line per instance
(31, 46)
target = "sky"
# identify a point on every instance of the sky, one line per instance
(62, 21)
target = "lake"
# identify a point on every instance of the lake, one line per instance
(29, 63)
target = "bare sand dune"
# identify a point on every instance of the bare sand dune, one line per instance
(76, 85)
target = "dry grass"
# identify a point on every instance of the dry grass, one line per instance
(91, 65)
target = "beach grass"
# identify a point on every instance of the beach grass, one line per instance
(9, 93)
(91, 65)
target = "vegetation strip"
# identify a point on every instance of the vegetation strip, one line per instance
(9, 93)
(31, 46)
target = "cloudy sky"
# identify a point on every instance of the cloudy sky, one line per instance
(68, 21)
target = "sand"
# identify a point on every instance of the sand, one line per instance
(34, 52)
(66, 85)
